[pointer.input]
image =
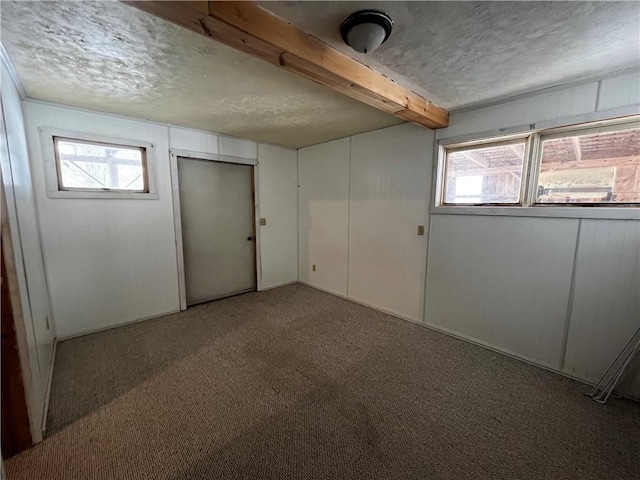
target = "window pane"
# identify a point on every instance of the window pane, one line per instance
(99, 166)
(592, 168)
(487, 174)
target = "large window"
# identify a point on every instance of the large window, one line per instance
(92, 166)
(589, 165)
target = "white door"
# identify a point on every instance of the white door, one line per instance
(216, 205)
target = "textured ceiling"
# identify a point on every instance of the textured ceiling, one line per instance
(111, 57)
(114, 58)
(462, 53)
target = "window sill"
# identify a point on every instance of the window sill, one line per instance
(613, 213)
(60, 194)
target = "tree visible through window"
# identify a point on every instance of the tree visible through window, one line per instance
(96, 166)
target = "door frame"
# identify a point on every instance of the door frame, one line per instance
(174, 153)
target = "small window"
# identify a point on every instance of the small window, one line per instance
(590, 167)
(488, 174)
(100, 167)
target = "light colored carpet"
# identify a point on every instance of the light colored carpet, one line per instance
(294, 383)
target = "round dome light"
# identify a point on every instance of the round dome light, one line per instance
(366, 30)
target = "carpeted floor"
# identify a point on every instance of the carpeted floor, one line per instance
(294, 383)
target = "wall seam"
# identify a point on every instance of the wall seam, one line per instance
(431, 200)
(596, 108)
(572, 287)
(349, 215)
(298, 212)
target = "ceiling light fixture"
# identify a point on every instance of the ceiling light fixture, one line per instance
(366, 30)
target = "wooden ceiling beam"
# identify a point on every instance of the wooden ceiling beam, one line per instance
(246, 27)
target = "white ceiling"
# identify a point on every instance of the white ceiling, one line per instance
(462, 53)
(111, 57)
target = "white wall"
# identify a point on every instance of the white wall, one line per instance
(608, 98)
(390, 185)
(361, 201)
(114, 261)
(561, 292)
(186, 139)
(606, 302)
(109, 261)
(278, 198)
(619, 91)
(503, 281)
(323, 175)
(23, 220)
(599, 256)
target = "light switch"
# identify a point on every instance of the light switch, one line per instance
(314, 268)
(421, 230)
(263, 222)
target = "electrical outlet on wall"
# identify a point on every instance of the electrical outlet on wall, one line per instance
(263, 222)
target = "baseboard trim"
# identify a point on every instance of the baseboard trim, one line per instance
(460, 336)
(364, 304)
(516, 356)
(102, 329)
(503, 351)
(47, 395)
(423, 324)
(284, 284)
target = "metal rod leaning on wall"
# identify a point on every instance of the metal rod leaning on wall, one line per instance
(603, 389)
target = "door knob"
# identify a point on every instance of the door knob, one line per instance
(249, 239)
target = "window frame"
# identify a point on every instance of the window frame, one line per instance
(527, 205)
(143, 161)
(53, 174)
(500, 141)
(568, 132)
